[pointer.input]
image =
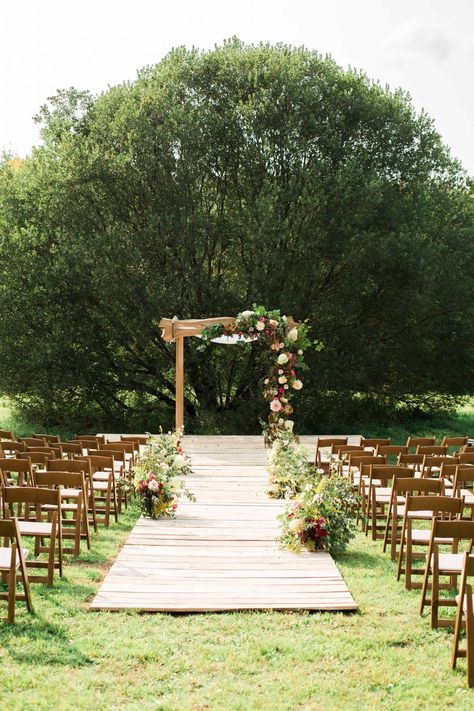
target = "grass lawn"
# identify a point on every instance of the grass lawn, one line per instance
(385, 656)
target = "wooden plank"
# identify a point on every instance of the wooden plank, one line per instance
(221, 553)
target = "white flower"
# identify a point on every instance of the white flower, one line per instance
(282, 379)
(300, 352)
(281, 421)
(266, 381)
(282, 359)
(280, 372)
(293, 334)
(286, 386)
(260, 325)
(297, 384)
(283, 318)
(180, 461)
(289, 424)
(296, 525)
(282, 345)
(153, 485)
(247, 314)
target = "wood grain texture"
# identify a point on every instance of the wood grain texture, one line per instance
(220, 553)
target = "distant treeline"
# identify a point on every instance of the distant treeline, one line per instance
(215, 180)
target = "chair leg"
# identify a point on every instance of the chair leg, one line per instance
(457, 632)
(435, 593)
(12, 586)
(470, 641)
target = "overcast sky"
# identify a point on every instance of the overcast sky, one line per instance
(424, 46)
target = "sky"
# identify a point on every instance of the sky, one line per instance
(426, 47)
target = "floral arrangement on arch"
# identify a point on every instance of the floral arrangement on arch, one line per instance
(287, 341)
(158, 476)
(289, 467)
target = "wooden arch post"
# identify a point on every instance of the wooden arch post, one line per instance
(174, 330)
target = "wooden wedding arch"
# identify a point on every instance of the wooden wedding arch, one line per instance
(174, 330)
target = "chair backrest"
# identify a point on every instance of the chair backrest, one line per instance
(35, 457)
(9, 529)
(32, 495)
(119, 455)
(55, 479)
(432, 462)
(6, 434)
(432, 450)
(385, 472)
(99, 463)
(90, 438)
(9, 446)
(321, 442)
(19, 466)
(71, 448)
(69, 465)
(463, 473)
(340, 449)
(460, 530)
(420, 442)
(32, 441)
(118, 446)
(54, 450)
(437, 504)
(357, 460)
(374, 442)
(454, 441)
(464, 457)
(143, 439)
(412, 485)
(415, 460)
(53, 439)
(391, 450)
(448, 469)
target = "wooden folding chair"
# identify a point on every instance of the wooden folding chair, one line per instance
(13, 566)
(432, 450)
(6, 434)
(379, 496)
(414, 442)
(16, 472)
(374, 442)
(10, 449)
(37, 524)
(402, 487)
(54, 451)
(38, 460)
(323, 444)
(359, 475)
(444, 564)
(463, 485)
(70, 449)
(102, 469)
(121, 471)
(465, 617)
(466, 457)
(417, 507)
(140, 440)
(413, 461)
(455, 443)
(432, 464)
(32, 441)
(48, 438)
(81, 466)
(73, 496)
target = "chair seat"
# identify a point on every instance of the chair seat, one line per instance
(70, 493)
(35, 528)
(449, 562)
(423, 536)
(100, 485)
(6, 558)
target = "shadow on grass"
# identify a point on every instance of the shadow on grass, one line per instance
(35, 641)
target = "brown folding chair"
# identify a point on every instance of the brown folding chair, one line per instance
(22, 468)
(88, 505)
(463, 485)
(10, 449)
(7, 434)
(465, 616)
(432, 464)
(379, 496)
(102, 469)
(432, 450)
(13, 567)
(466, 457)
(54, 451)
(413, 461)
(457, 443)
(374, 442)
(48, 438)
(444, 564)
(402, 487)
(121, 471)
(37, 524)
(358, 467)
(417, 507)
(325, 443)
(414, 442)
(70, 449)
(32, 441)
(73, 496)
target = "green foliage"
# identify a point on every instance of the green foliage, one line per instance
(288, 467)
(322, 517)
(245, 174)
(158, 476)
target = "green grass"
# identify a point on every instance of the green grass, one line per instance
(385, 656)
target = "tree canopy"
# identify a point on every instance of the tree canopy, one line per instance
(215, 180)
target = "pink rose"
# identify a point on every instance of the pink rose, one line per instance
(275, 405)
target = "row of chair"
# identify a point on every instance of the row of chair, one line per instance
(424, 500)
(53, 495)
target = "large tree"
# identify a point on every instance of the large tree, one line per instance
(215, 180)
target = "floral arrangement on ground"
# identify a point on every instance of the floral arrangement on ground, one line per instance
(320, 514)
(288, 341)
(158, 476)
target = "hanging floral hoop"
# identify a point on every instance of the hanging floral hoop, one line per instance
(288, 341)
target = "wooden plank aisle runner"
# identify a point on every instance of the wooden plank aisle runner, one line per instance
(220, 552)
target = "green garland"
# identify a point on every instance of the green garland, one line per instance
(288, 341)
